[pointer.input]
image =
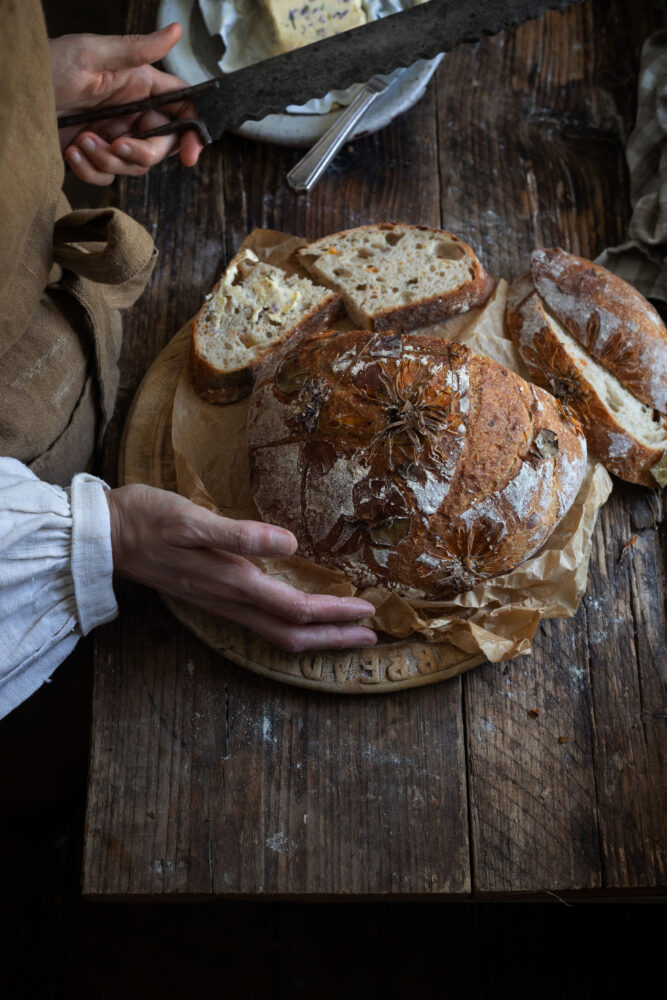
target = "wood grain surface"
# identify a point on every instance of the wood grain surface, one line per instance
(540, 775)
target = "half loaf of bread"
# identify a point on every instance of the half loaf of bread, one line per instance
(398, 277)
(409, 462)
(252, 309)
(595, 378)
(611, 320)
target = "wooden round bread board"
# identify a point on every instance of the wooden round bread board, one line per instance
(146, 456)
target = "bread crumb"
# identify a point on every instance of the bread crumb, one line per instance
(534, 712)
(626, 548)
(543, 794)
(563, 739)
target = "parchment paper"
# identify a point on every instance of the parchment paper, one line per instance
(500, 616)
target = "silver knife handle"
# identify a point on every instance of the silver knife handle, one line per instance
(308, 170)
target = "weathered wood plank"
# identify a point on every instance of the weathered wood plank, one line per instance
(530, 151)
(532, 787)
(648, 580)
(541, 164)
(142, 834)
(216, 781)
(627, 638)
(207, 780)
(330, 787)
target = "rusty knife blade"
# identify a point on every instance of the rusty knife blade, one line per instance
(354, 56)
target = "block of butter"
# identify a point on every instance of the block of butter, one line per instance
(294, 24)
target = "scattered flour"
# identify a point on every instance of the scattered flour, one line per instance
(278, 843)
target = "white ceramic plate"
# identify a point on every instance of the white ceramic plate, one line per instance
(194, 60)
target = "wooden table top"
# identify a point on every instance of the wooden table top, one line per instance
(207, 780)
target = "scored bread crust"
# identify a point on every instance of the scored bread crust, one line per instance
(217, 385)
(433, 309)
(609, 317)
(553, 368)
(409, 462)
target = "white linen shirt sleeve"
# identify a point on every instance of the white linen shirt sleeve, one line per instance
(55, 574)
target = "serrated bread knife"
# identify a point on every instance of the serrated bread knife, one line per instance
(268, 87)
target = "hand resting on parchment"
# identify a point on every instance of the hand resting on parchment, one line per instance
(162, 540)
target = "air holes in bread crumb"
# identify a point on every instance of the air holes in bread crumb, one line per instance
(615, 399)
(393, 238)
(449, 251)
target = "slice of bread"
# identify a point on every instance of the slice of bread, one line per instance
(398, 277)
(628, 437)
(253, 308)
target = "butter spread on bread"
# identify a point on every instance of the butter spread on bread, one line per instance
(254, 307)
(409, 462)
(295, 24)
(595, 343)
(398, 277)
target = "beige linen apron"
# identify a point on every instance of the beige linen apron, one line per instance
(63, 274)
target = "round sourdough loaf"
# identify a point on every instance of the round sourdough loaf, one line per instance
(409, 462)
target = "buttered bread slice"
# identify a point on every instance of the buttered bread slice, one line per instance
(254, 308)
(398, 277)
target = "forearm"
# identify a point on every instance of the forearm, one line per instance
(55, 574)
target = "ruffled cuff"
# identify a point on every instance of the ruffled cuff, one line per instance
(92, 561)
